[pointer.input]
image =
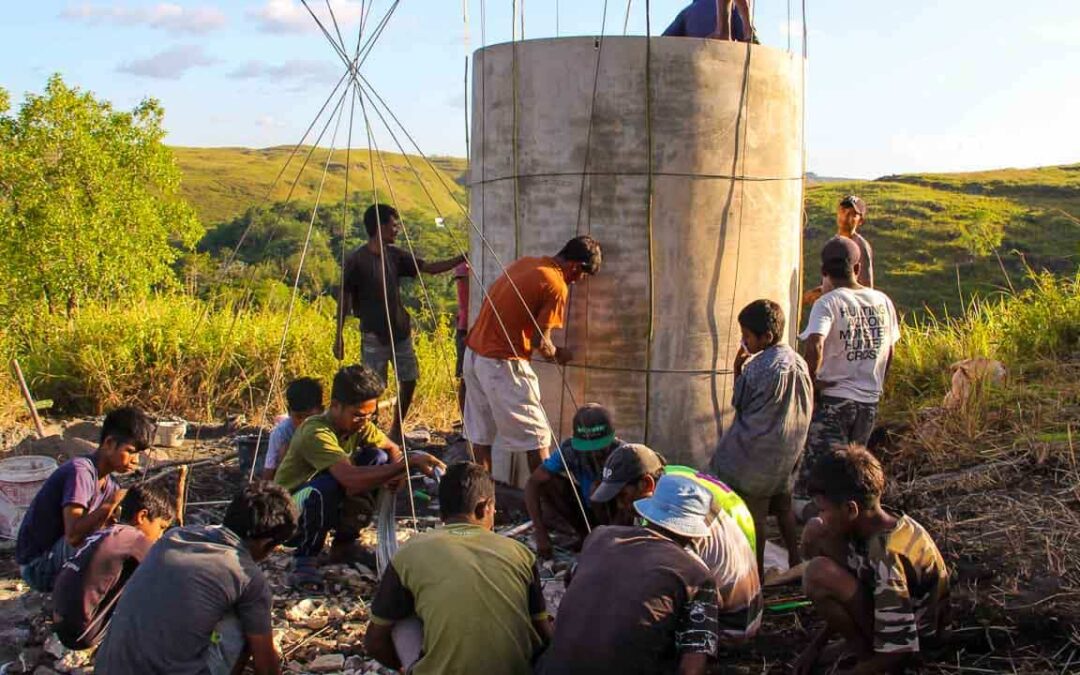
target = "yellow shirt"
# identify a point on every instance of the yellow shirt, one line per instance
(316, 447)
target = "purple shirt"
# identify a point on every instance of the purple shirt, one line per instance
(699, 19)
(75, 483)
(90, 583)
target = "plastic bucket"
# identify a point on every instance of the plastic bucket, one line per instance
(170, 433)
(20, 480)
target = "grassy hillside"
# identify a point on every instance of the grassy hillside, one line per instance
(223, 182)
(938, 238)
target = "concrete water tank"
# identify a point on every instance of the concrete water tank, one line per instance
(683, 158)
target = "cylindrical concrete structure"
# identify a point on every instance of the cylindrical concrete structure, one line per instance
(683, 158)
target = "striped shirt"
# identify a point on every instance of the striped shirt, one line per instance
(907, 574)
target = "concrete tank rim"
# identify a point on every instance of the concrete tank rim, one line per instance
(708, 43)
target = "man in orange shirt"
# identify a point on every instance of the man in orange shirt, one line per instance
(523, 306)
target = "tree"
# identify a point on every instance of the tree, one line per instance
(89, 200)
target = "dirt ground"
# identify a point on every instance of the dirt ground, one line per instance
(1003, 507)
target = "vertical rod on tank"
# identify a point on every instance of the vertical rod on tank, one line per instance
(514, 145)
(648, 216)
(483, 140)
(802, 179)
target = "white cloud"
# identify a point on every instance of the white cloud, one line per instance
(294, 75)
(290, 16)
(170, 64)
(165, 15)
(294, 70)
(269, 122)
(1065, 33)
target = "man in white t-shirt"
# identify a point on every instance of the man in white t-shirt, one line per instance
(848, 342)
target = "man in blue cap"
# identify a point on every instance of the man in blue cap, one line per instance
(641, 600)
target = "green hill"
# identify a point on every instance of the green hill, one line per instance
(940, 238)
(221, 183)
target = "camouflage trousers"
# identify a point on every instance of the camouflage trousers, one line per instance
(835, 421)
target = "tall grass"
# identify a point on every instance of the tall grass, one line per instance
(1028, 331)
(175, 354)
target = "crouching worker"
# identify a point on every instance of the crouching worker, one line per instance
(640, 600)
(335, 463)
(90, 583)
(877, 579)
(79, 498)
(460, 599)
(632, 472)
(577, 465)
(199, 602)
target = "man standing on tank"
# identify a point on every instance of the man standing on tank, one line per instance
(715, 19)
(522, 307)
(387, 331)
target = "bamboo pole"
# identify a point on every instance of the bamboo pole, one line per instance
(181, 494)
(28, 398)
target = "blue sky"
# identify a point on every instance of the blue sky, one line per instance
(894, 87)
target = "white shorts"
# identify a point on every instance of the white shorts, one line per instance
(502, 404)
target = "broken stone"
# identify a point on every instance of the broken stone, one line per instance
(354, 662)
(327, 663)
(54, 648)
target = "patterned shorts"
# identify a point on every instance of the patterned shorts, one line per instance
(836, 421)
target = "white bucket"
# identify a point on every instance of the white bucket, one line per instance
(20, 480)
(170, 433)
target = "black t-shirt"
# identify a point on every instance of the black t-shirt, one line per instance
(363, 281)
(636, 603)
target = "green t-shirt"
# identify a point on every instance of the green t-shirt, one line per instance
(476, 593)
(316, 447)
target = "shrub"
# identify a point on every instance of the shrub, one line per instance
(175, 354)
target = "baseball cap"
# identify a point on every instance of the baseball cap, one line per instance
(680, 505)
(856, 203)
(840, 249)
(593, 429)
(625, 465)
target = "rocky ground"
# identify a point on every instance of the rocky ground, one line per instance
(1004, 508)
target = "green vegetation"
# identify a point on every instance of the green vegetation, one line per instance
(1029, 331)
(96, 221)
(223, 183)
(89, 203)
(940, 240)
(274, 241)
(180, 355)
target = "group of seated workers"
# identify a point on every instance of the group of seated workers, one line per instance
(668, 573)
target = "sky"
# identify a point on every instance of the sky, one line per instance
(922, 85)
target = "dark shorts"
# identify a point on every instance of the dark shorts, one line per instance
(836, 421)
(459, 343)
